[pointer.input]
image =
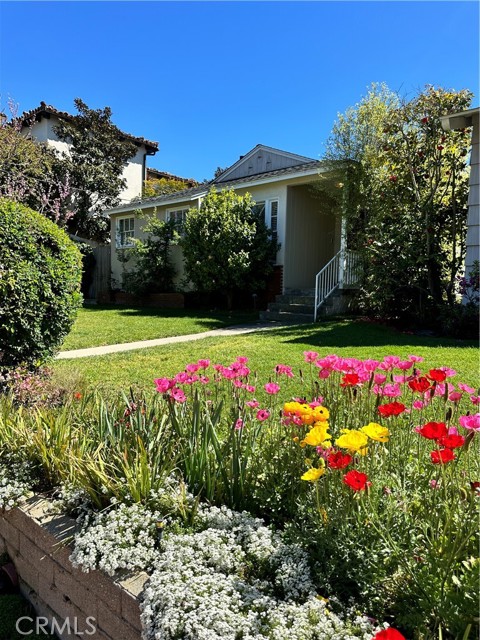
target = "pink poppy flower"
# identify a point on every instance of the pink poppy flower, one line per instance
(470, 422)
(181, 377)
(370, 365)
(284, 369)
(272, 388)
(405, 365)
(193, 367)
(418, 404)
(310, 356)
(475, 399)
(262, 415)
(392, 390)
(178, 394)
(239, 424)
(163, 384)
(253, 404)
(379, 378)
(242, 359)
(204, 379)
(323, 374)
(455, 396)
(204, 363)
(465, 387)
(416, 358)
(450, 373)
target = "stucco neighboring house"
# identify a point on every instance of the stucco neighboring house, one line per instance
(281, 184)
(462, 120)
(40, 124)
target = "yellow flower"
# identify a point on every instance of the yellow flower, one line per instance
(312, 475)
(353, 440)
(320, 414)
(376, 432)
(291, 407)
(317, 435)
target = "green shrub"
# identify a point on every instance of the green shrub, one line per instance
(40, 274)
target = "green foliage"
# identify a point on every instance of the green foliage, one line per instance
(32, 174)
(95, 162)
(405, 197)
(40, 271)
(226, 246)
(153, 271)
(162, 186)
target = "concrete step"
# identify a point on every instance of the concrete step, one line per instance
(288, 318)
(285, 307)
(295, 299)
(300, 292)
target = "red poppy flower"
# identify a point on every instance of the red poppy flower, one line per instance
(441, 456)
(350, 380)
(391, 409)
(452, 441)
(388, 634)
(437, 374)
(419, 384)
(338, 460)
(356, 480)
(434, 430)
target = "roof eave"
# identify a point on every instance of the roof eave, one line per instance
(460, 120)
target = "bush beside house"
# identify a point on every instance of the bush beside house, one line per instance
(39, 285)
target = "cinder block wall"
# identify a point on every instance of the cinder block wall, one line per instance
(36, 542)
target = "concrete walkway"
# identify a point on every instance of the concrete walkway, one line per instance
(145, 344)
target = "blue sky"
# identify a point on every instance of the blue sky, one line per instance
(210, 80)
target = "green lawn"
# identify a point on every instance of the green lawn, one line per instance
(99, 325)
(348, 337)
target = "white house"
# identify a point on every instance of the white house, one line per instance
(40, 124)
(462, 120)
(282, 185)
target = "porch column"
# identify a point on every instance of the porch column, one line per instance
(343, 253)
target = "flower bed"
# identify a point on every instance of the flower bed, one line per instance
(287, 508)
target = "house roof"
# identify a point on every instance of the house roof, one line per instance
(459, 120)
(44, 110)
(287, 160)
(310, 168)
(156, 174)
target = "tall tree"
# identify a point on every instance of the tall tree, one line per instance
(405, 196)
(96, 159)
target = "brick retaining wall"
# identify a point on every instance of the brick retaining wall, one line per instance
(36, 540)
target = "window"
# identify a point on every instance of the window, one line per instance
(268, 211)
(125, 232)
(179, 215)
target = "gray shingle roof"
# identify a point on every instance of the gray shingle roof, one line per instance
(187, 194)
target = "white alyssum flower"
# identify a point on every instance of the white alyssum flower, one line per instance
(237, 579)
(122, 538)
(15, 483)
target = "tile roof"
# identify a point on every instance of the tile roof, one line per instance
(28, 117)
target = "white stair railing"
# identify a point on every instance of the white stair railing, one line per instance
(342, 271)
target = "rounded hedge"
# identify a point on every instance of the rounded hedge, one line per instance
(40, 276)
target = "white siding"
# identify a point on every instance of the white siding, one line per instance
(473, 233)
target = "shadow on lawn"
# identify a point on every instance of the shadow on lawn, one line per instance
(210, 319)
(359, 332)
